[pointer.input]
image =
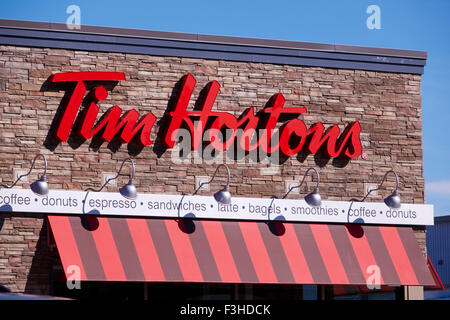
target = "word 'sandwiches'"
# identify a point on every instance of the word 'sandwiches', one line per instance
(249, 131)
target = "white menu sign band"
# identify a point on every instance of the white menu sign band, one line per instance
(205, 207)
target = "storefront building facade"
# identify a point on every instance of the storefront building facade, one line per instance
(367, 101)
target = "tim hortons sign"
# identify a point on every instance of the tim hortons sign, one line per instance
(292, 138)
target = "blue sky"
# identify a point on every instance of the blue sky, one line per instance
(413, 24)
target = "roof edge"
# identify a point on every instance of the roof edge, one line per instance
(203, 38)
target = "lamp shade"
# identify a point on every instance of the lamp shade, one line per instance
(129, 190)
(223, 196)
(393, 201)
(314, 199)
(40, 187)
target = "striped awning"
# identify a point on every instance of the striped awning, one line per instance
(438, 285)
(137, 249)
(346, 290)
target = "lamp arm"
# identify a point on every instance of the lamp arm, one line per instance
(381, 184)
(384, 179)
(214, 175)
(29, 171)
(303, 180)
(101, 188)
(133, 170)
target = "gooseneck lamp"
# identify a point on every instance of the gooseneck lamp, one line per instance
(313, 199)
(393, 200)
(222, 196)
(40, 186)
(129, 190)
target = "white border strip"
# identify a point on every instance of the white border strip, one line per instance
(205, 207)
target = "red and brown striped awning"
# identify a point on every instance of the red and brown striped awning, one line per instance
(346, 290)
(137, 249)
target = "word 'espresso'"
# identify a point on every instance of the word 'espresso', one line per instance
(293, 136)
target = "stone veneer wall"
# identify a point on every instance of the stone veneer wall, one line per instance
(387, 105)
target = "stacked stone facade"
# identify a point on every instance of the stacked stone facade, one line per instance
(387, 105)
